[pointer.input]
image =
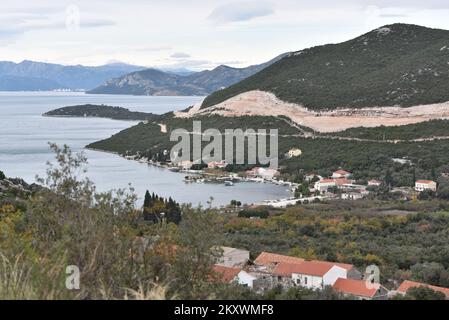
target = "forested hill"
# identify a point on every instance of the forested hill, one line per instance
(398, 64)
(101, 111)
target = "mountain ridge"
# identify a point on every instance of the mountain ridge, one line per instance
(153, 81)
(38, 76)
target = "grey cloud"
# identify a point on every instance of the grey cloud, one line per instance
(241, 11)
(180, 55)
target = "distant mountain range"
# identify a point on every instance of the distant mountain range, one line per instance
(395, 65)
(39, 76)
(171, 83)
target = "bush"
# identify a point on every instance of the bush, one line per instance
(262, 214)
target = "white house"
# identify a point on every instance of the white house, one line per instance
(246, 279)
(233, 257)
(317, 275)
(374, 183)
(294, 152)
(341, 174)
(422, 185)
(324, 184)
(265, 173)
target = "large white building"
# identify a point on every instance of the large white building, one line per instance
(324, 184)
(422, 185)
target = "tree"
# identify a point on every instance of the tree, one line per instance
(302, 191)
(423, 293)
(2, 175)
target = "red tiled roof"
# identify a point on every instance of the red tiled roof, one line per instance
(355, 287)
(425, 181)
(286, 269)
(327, 180)
(226, 274)
(345, 266)
(342, 172)
(406, 285)
(309, 267)
(272, 258)
(341, 181)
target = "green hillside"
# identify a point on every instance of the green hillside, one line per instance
(398, 64)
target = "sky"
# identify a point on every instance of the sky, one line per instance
(193, 34)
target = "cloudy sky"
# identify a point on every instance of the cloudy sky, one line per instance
(195, 34)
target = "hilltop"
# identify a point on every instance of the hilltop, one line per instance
(395, 65)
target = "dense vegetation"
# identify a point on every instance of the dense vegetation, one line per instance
(407, 241)
(367, 160)
(144, 137)
(395, 65)
(118, 253)
(122, 255)
(100, 111)
(422, 130)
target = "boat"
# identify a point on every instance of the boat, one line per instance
(228, 183)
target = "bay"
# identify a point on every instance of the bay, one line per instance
(24, 150)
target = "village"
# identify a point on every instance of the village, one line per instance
(271, 270)
(340, 185)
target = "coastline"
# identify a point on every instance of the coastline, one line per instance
(213, 177)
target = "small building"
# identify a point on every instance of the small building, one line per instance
(233, 257)
(360, 289)
(247, 279)
(352, 196)
(407, 284)
(324, 184)
(310, 176)
(217, 164)
(374, 183)
(314, 275)
(422, 185)
(185, 165)
(266, 258)
(294, 152)
(226, 274)
(264, 173)
(341, 174)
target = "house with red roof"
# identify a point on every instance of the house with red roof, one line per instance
(407, 284)
(226, 274)
(316, 275)
(360, 289)
(341, 174)
(266, 258)
(422, 185)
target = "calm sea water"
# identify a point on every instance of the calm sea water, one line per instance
(24, 151)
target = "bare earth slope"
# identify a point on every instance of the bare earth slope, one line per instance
(267, 104)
